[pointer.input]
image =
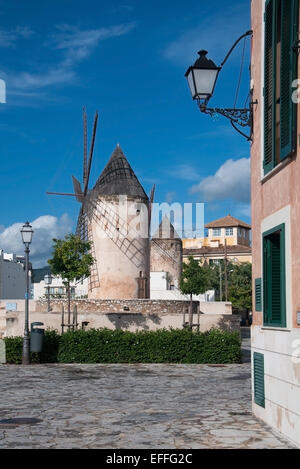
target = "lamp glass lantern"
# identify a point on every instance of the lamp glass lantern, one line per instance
(48, 279)
(27, 233)
(202, 77)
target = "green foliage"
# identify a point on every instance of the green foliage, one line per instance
(14, 346)
(118, 346)
(71, 259)
(162, 346)
(217, 271)
(240, 285)
(195, 278)
(239, 277)
(13, 349)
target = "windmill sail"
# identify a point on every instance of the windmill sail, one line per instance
(77, 189)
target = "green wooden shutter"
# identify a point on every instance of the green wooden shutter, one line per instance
(266, 283)
(269, 86)
(259, 378)
(289, 25)
(274, 277)
(258, 298)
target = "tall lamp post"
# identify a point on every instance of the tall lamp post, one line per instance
(202, 78)
(48, 281)
(26, 233)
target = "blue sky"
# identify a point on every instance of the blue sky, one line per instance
(127, 60)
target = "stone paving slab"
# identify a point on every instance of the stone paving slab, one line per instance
(132, 406)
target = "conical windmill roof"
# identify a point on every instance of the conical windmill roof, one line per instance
(118, 178)
(165, 230)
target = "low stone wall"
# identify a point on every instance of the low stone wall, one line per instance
(131, 315)
(215, 307)
(120, 306)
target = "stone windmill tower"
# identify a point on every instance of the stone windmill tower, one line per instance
(166, 252)
(114, 217)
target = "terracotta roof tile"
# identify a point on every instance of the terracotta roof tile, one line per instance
(237, 249)
(226, 222)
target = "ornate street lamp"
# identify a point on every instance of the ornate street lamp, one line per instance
(202, 78)
(48, 281)
(26, 233)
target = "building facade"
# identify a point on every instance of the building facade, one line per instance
(12, 276)
(57, 289)
(211, 249)
(275, 172)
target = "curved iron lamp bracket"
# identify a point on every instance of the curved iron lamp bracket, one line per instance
(240, 117)
(237, 117)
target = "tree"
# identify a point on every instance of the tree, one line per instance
(240, 286)
(217, 280)
(195, 279)
(71, 260)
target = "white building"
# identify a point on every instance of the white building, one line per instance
(57, 289)
(160, 289)
(12, 276)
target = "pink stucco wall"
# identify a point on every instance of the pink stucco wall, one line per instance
(278, 190)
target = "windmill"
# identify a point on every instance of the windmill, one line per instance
(95, 210)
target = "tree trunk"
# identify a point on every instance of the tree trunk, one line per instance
(191, 312)
(69, 304)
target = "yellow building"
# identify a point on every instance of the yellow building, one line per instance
(227, 230)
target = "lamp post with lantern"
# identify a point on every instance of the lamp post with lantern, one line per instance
(48, 281)
(202, 78)
(26, 233)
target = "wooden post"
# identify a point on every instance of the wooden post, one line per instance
(75, 318)
(221, 293)
(225, 272)
(191, 316)
(62, 319)
(198, 317)
(69, 305)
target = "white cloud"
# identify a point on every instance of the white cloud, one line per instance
(231, 181)
(75, 45)
(45, 229)
(170, 197)
(245, 210)
(72, 38)
(183, 171)
(27, 80)
(9, 38)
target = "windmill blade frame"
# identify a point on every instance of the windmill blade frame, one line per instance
(91, 154)
(84, 177)
(151, 199)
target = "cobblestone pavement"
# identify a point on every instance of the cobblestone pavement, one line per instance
(131, 406)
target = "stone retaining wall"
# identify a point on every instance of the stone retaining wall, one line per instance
(114, 314)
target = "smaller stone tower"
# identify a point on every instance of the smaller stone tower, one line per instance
(166, 252)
